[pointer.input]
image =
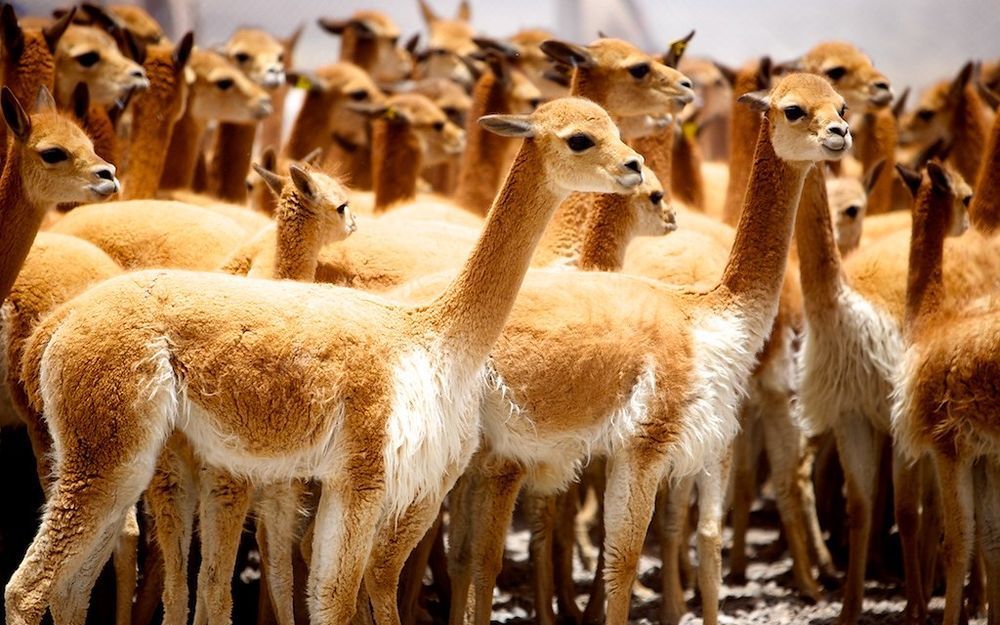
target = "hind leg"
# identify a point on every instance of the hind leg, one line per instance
(126, 570)
(277, 515)
(746, 455)
(460, 540)
(907, 491)
(955, 476)
(987, 489)
(712, 483)
(672, 524)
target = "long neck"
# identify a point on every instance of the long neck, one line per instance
(745, 130)
(354, 161)
(298, 239)
(101, 131)
(28, 73)
(819, 258)
(361, 51)
(658, 151)
(880, 145)
(757, 260)
(310, 128)
(607, 233)
(931, 222)
(231, 160)
(471, 313)
(984, 213)
(686, 182)
(182, 156)
(482, 167)
(564, 234)
(396, 163)
(19, 221)
(969, 134)
(153, 121)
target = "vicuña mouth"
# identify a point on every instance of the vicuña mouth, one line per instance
(105, 188)
(629, 181)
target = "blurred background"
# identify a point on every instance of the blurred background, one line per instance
(915, 42)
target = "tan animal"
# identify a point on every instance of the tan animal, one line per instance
(370, 40)
(88, 54)
(535, 63)
(367, 374)
(450, 42)
(848, 199)
(713, 86)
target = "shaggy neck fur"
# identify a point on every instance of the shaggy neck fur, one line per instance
(931, 222)
(481, 170)
(101, 131)
(608, 232)
(298, 238)
(28, 73)
(819, 267)
(19, 221)
(687, 184)
(745, 130)
(154, 117)
(185, 148)
(471, 313)
(396, 162)
(969, 130)
(231, 161)
(879, 145)
(984, 212)
(757, 261)
(658, 151)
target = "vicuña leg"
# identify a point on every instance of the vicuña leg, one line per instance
(908, 491)
(955, 476)
(987, 489)
(712, 482)
(277, 518)
(460, 536)
(126, 556)
(746, 457)
(675, 500)
(541, 512)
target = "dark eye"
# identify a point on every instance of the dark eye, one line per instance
(88, 59)
(224, 84)
(53, 155)
(967, 200)
(579, 142)
(394, 41)
(639, 70)
(241, 57)
(438, 126)
(843, 110)
(925, 114)
(358, 95)
(852, 211)
(342, 208)
(836, 73)
(534, 102)
(656, 197)
(281, 57)
(793, 113)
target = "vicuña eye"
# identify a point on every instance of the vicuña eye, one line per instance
(794, 113)
(224, 84)
(656, 197)
(579, 142)
(967, 200)
(639, 70)
(88, 59)
(358, 95)
(342, 208)
(852, 211)
(836, 73)
(54, 155)
(925, 114)
(438, 126)
(241, 57)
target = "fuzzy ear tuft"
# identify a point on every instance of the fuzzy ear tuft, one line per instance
(756, 100)
(567, 53)
(44, 102)
(871, 178)
(13, 114)
(509, 125)
(910, 177)
(938, 176)
(303, 182)
(273, 181)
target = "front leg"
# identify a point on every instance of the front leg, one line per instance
(712, 483)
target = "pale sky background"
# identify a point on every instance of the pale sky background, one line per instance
(914, 42)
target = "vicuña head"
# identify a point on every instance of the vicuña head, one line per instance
(259, 55)
(806, 118)
(448, 95)
(335, 88)
(371, 39)
(652, 214)
(57, 160)
(631, 82)
(933, 118)
(438, 136)
(582, 147)
(852, 72)
(949, 180)
(222, 92)
(89, 55)
(314, 195)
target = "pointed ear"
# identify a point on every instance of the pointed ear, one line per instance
(503, 48)
(787, 67)
(303, 182)
(764, 73)
(13, 37)
(370, 110)
(872, 176)
(80, 101)
(44, 102)
(305, 80)
(910, 177)
(182, 52)
(991, 98)
(900, 104)
(958, 84)
(13, 113)
(313, 157)
(427, 12)
(938, 177)
(273, 181)
(676, 51)
(293, 40)
(498, 65)
(557, 75)
(135, 47)
(509, 125)
(269, 158)
(412, 43)
(464, 13)
(756, 101)
(332, 26)
(54, 31)
(728, 73)
(567, 53)
(939, 149)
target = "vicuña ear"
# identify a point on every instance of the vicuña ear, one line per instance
(509, 125)
(182, 52)
(676, 50)
(44, 102)
(900, 104)
(464, 13)
(427, 12)
(498, 65)
(13, 113)
(303, 181)
(305, 80)
(765, 70)
(273, 181)
(958, 84)
(81, 101)
(412, 43)
(872, 176)
(756, 101)
(54, 31)
(991, 98)
(488, 44)
(269, 158)
(332, 26)
(13, 37)
(313, 157)
(728, 73)
(100, 16)
(938, 178)
(369, 109)
(567, 53)
(910, 177)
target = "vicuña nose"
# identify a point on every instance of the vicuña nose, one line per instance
(634, 164)
(138, 73)
(838, 129)
(687, 83)
(105, 173)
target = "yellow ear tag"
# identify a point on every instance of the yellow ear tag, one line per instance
(303, 83)
(690, 129)
(391, 114)
(677, 48)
